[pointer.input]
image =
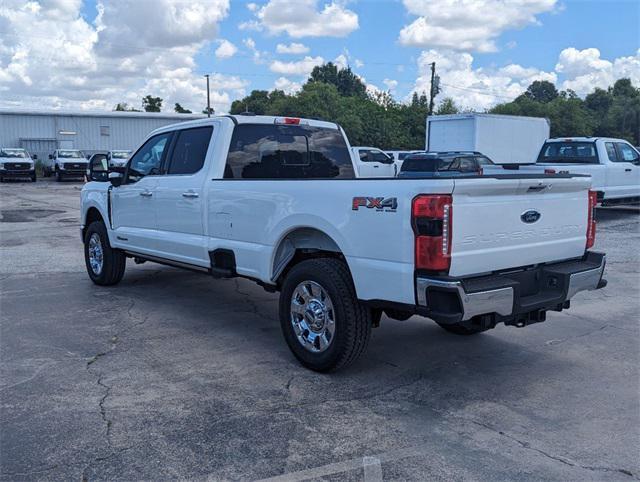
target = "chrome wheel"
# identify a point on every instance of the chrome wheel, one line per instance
(312, 316)
(95, 254)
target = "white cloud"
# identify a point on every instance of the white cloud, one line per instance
(300, 67)
(468, 25)
(391, 84)
(292, 48)
(119, 58)
(252, 6)
(475, 88)
(584, 69)
(226, 50)
(359, 63)
(302, 18)
(288, 86)
(341, 61)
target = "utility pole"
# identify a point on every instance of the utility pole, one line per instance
(433, 90)
(208, 97)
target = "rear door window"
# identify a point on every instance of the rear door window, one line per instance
(264, 151)
(612, 154)
(190, 150)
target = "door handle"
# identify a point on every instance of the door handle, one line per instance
(190, 194)
(376, 167)
(146, 193)
(627, 170)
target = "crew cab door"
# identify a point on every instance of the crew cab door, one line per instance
(623, 172)
(133, 202)
(180, 198)
(375, 163)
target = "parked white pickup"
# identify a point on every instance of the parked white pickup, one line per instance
(373, 162)
(279, 201)
(613, 164)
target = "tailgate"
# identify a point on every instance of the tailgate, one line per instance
(512, 222)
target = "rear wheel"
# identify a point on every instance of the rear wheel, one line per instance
(458, 329)
(322, 321)
(105, 265)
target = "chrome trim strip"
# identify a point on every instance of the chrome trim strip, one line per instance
(585, 280)
(499, 300)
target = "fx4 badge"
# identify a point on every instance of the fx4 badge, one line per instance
(389, 204)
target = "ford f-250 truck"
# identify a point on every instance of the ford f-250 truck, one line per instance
(276, 200)
(613, 164)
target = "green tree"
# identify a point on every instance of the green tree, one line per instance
(541, 91)
(124, 107)
(181, 110)
(447, 106)
(345, 80)
(211, 111)
(151, 104)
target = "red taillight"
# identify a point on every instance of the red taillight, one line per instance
(431, 219)
(591, 219)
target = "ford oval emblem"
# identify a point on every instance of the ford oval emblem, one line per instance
(530, 216)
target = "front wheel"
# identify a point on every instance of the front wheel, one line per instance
(58, 176)
(322, 321)
(105, 265)
(33, 177)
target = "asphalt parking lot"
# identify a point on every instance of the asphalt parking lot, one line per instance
(173, 375)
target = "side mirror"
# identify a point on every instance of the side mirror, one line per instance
(115, 178)
(97, 170)
(34, 157)
(50, 156)
(88, 157)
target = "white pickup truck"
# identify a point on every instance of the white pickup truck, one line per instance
(613, 164)
(65, 163)
(372, 162)
(278, 201)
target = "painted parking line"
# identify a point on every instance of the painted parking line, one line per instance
(372, 466)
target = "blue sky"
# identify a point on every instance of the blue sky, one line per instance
(486, 50)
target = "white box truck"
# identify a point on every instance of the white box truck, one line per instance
(505, 139)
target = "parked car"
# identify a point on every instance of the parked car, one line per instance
(278, 201)
(118, 158)
(66, 163)
(444, 164)
(372, 162)
(17, 163)
(613, 164)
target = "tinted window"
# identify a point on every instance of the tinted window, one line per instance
(148, 158)
(190, 150)
(484, 161)
(626, 153)
(428, 164)
(373, 156)
(611, 151)
(263, 151)
(569, 152)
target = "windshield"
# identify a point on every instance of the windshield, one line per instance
(120, 154)
(70, 154)
(569, 152)
(14, 153)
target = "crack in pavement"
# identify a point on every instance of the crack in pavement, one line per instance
(590, 332)
(557, 458)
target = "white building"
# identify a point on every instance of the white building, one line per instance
(41, 132)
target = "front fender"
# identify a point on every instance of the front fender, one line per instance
(95, 199)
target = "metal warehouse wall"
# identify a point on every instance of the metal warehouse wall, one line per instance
(41, 133)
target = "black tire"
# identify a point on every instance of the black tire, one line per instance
(352, 318)
(462, 330)
(33, 177)
(58, 176)
(113, 260)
